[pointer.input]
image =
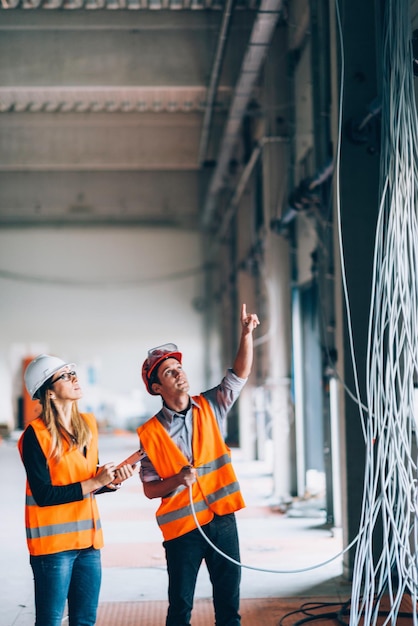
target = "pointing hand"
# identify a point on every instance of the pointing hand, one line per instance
(249, 321)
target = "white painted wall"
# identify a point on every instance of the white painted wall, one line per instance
(101, 298)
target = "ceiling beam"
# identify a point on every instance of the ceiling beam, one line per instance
(260, 40)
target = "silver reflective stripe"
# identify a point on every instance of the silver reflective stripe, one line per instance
(198, 506)
(61, 529)
(205, 469)
(179, 489)
(213, 465)
(185, 511)
(30, 500)
(224, 491)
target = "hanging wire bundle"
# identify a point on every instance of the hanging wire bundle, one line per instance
(386, 557)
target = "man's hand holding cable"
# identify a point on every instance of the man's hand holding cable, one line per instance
(162, 488)
(187, 476)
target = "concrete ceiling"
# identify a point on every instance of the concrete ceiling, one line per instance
(104, 108)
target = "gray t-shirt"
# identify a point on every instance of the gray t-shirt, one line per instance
(180, 426)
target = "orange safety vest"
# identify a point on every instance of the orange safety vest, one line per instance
(216, 490)
(70, 526)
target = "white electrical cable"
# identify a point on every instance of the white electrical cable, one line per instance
(390, 508)
(260, 569)
(386, 553)
(339, 224)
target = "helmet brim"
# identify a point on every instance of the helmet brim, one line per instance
(170, 355)
(41, 383)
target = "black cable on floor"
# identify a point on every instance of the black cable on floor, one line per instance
(336, 616)
(307, 608)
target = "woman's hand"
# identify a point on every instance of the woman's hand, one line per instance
(124, 472)
(104, 476)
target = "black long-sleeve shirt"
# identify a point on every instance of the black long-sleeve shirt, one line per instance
(39, 478)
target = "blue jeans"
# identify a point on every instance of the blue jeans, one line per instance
(73, 575)
(184, 556)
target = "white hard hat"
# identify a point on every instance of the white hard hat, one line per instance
(40, 370)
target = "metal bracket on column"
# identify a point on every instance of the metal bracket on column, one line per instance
(365, 129)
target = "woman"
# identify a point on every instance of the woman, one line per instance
(59, 450)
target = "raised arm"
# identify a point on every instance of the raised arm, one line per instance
(244, 357)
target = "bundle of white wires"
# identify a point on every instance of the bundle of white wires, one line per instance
(386, 554)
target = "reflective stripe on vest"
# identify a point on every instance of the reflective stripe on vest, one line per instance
(60, 529)
(216, 490)
(30, 500)
(206, 469)
(73, 525)
(198, 506)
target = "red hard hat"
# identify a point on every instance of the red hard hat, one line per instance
(153, 360)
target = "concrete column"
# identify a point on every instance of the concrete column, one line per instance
(359, 177)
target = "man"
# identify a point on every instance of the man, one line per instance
(186, 452)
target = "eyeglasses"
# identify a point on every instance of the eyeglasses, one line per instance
(65, 376)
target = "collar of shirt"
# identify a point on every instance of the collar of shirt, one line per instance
(167, 415)
(179, 428)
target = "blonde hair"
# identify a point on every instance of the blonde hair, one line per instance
(81, 436)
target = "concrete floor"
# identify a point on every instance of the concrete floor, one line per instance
(134, 575)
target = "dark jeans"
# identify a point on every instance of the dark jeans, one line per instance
(74, 575)
(184, 556)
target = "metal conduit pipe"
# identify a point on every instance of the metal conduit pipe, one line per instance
(214, 79)
(260, 39)
(240, 188)
(233, 205)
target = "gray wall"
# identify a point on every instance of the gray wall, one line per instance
(99, 297)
